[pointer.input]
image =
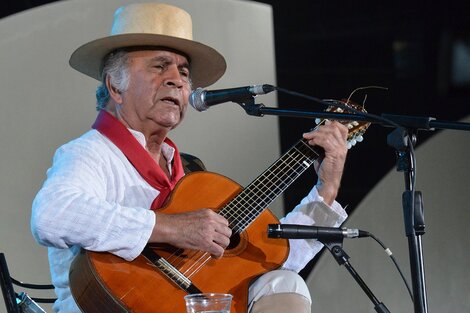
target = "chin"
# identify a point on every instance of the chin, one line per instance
(170, 121)
(174, 126)
(177, 123)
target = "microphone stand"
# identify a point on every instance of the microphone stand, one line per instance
(7, 287)
(335, 247)
(410, 122)
(412, 212)
(406, 127)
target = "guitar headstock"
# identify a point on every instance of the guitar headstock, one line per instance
(356, 128)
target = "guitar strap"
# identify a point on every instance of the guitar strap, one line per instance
(120, 136)
(191, 163)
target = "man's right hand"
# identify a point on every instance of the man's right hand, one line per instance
(203, 230)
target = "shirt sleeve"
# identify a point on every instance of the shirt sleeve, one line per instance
(312, 210)
(72, 209)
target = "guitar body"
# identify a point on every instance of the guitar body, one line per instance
(103, 282)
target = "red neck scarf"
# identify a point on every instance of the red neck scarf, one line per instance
(119, 135)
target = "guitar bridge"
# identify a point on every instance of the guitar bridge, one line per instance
(170, 271)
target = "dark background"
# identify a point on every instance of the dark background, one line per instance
(327, 49)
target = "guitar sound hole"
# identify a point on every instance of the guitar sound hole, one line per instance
(234, 241)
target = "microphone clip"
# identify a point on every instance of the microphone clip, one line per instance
(336, 248)
(252, 108)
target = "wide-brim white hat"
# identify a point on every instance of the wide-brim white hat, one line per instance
(157, 25)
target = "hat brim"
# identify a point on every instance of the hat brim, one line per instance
(206, 64)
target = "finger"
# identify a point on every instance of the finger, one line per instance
(342, 130)
(216, 217)
(217, 252)
(221, 240)
(328, 136)
(224, 230)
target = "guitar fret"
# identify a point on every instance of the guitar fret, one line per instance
(306, 145)
(245, 207)
(277, 184)
(263, 204)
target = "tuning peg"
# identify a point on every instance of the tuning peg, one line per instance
(359, 138)
(317, 121)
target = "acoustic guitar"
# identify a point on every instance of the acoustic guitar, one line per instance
(162, 275)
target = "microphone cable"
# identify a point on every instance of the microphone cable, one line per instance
(392, 257)
(340, 105)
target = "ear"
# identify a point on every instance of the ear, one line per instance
(114, 93)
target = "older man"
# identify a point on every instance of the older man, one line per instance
(103, 187)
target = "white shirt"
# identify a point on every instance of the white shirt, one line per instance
(94, 198)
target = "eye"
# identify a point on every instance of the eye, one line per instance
(184, 72)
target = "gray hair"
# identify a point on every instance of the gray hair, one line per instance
(116, 66)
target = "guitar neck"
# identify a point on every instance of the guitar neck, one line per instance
(250, 203)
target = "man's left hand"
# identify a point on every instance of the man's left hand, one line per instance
(331, 136)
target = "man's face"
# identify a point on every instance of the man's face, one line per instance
(159, 87)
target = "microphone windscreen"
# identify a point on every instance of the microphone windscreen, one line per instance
(196, 99)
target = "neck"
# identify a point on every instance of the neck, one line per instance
(154, 144)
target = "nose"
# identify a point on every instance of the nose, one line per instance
(173, 77)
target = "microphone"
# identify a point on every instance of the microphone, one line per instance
(291, 231)
(201, 99)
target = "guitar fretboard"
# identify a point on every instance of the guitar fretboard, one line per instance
(250, 203)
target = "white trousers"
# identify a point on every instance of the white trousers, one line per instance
(275, 290)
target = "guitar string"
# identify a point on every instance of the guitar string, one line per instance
(290, 161)
(263, 203)
(268, 184)
(176, 258)
(204, 258)
(238, 204)
(253, 196)
(278, 166)
(189, 261)
(280, 162)
(179, 260)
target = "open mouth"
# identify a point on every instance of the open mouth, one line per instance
(171, 100)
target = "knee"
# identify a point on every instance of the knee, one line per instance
(279, 281)
(288, 281)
